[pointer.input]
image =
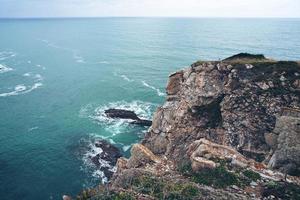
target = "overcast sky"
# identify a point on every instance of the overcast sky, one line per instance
(186, 8)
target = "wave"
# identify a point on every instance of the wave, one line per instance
(4, 68)
(21, 89)
(159, 93)
(6, 55)
(123, 77)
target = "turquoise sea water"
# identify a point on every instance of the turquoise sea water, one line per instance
(58, 75)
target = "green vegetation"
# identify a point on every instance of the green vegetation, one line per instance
(219, 177)
(105, 194)
(163, 189)
(252, 175)
(282, 190)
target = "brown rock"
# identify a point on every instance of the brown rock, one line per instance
(140, 156)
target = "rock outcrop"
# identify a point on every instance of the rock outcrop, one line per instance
(228, 130)
(127, 114)
(286, 145)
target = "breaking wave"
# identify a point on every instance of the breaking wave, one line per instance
(90, 150)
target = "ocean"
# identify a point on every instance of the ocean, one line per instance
(57, 76)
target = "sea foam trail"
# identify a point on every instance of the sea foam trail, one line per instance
(159, 93)
(6, 55)
(75, 53)
(124, 77)
(21, 89)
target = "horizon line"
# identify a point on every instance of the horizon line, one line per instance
(195, 17)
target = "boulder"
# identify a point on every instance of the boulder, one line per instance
(287, 151)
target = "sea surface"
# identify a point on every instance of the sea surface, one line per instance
(57, 76)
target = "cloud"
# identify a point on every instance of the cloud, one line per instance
(189, 8)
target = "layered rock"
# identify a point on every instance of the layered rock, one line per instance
(220, 126)
(232, 102)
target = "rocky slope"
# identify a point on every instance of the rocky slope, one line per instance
(228, 130)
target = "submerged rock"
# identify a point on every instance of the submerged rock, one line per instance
(127, 114)
(107, 158)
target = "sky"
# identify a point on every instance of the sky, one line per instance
(153, 8)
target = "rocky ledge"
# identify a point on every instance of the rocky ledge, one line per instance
(228, 130)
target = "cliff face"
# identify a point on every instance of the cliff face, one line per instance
(228, 130)
(234, 103)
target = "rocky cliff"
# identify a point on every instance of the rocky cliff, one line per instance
(228, 130)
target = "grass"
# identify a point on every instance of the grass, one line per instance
(164, 189)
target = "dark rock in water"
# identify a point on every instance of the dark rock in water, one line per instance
(107, 159)
(127, 114)
(122, 114)
(142, 122)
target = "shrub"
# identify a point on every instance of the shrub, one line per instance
(254, 176)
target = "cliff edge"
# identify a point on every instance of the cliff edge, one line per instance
(228, 130)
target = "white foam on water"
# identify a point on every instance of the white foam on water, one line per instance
(6, 55)
(21, 89)
(75, 53)
(102, 62)
(159, 93)
(28, 74)
(33, 128)
(38, 78)
(89, 166)
(40, 66)
(124, 77)
(4, 68)
(126, 148)
(78, 58)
